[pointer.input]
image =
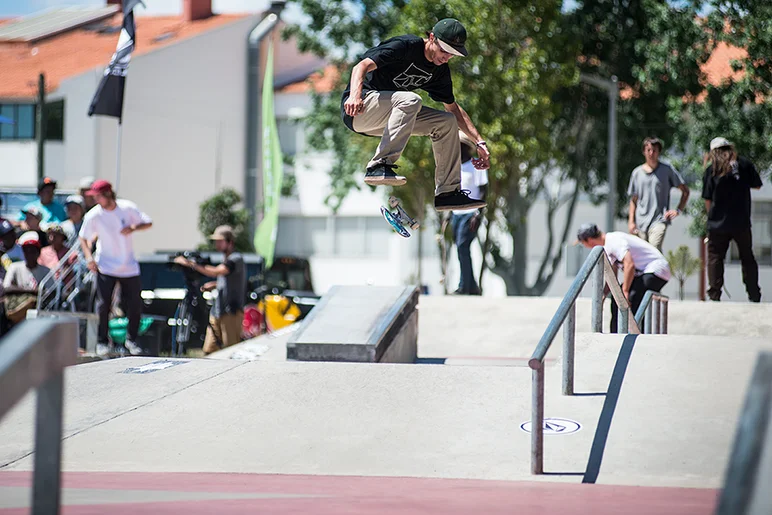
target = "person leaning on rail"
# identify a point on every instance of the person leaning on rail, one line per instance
(643, 266)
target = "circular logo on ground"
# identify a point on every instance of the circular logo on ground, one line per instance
(555, 426)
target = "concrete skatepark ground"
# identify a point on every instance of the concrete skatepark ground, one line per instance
(657, 415)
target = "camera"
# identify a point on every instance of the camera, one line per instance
(191, 276)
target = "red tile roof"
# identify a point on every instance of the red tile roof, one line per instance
(79, 50)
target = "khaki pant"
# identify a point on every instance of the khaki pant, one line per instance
(655, 235)
(226, 330)
(395, 116)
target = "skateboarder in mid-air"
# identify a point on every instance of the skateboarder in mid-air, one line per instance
(379, 101)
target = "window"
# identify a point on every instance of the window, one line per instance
(288, 135)
(23, 116)
(343, 236)
(55, 121)
(761, 218)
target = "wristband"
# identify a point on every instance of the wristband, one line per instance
(678, 211)
(481, 143)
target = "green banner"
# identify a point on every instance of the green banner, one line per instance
(273, 169)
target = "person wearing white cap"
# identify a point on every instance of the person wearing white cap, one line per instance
(88, 200)
(726, 188)
(23, 278)
(380, 101)
(76, 210)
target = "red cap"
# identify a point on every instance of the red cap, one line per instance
(100, 187)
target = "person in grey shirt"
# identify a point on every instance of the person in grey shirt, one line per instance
(649, 193)
(227, 315)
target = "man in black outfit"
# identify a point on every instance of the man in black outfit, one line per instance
(726, 189)
(379, 101)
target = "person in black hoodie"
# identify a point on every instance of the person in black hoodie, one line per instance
(726, 188)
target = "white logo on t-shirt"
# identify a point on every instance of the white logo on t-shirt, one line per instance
(413, 77)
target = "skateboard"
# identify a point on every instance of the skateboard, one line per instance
(398, 218)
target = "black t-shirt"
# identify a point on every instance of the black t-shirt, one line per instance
(402, 66)
(730, 196)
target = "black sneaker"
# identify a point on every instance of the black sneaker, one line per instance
(383, 174)
(458, 199)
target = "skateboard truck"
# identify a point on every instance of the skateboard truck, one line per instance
(400, 214)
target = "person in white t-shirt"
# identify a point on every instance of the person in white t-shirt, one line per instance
(643, 266)
(111, 222)
(466, 222)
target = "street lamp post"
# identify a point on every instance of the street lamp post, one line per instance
(612, 87)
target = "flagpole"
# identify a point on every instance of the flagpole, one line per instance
(118, 156)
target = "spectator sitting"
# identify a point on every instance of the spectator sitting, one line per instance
(21, 281)
(89, 200)
(57, 248)
(12, 251)
(32, 222)
(50, 210)
(76, 210)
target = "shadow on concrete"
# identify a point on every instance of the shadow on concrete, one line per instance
(563, 473)
(430, 361)
(609, 406)
(589, 394)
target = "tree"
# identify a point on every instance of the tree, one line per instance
(683, 265)
(547, 133)
(220, 209)
(505, 85)
(737, 107)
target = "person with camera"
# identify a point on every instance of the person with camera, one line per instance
(227, 315)
(112, 222)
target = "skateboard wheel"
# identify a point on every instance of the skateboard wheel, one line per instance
(415, 226)
(393, 201)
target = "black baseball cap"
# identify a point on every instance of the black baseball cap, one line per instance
(46, 181)
(451, 36)
(6, 227)
(587, 231)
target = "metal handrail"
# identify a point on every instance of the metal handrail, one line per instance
(654, 307)
(33, 356)
(626, 323)
(62, 284)
(751, 460)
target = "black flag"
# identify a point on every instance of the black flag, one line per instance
(108, 99)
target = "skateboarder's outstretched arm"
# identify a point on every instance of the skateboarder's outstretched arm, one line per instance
(467, 127)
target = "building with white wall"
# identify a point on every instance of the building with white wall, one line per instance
(184, 116)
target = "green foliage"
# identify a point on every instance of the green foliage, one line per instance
(740, 107)
(220, 209)
(654, 48)
(683, 265)
(520, 85)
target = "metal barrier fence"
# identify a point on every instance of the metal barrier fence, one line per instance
(597, 266)
(33, 356)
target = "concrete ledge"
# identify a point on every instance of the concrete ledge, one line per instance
(365, 324)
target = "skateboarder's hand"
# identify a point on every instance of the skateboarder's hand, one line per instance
(483, 161)
(353, 106)
(632, 228)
